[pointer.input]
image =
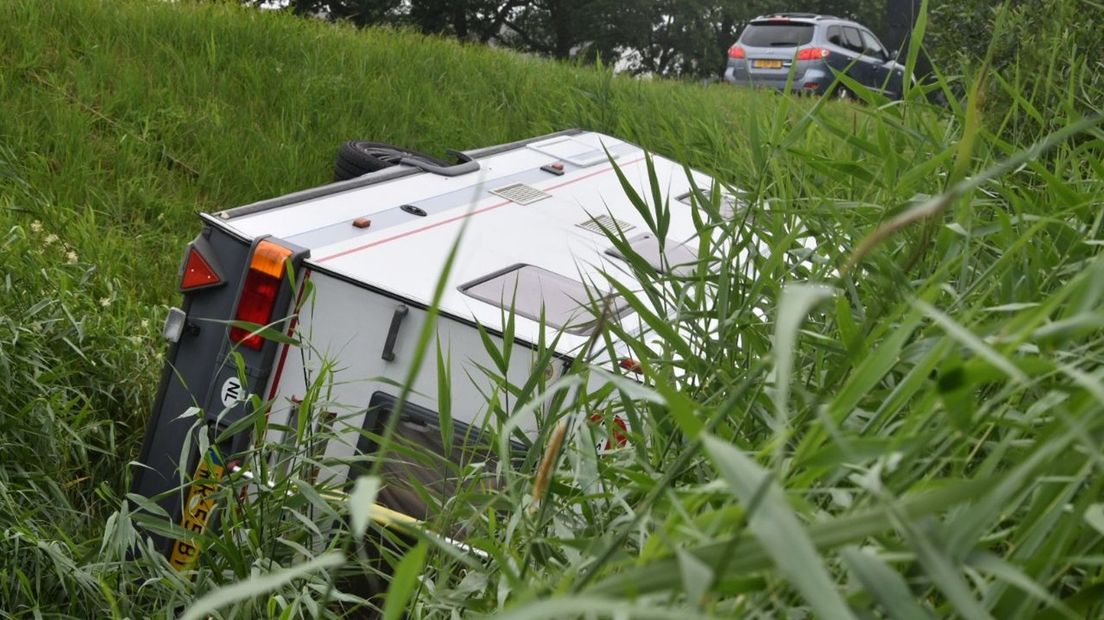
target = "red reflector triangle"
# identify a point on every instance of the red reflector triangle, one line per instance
(197, 272)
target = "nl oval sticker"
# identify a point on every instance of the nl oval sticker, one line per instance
(232, 392)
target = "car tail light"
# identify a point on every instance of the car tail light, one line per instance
(812, 53)
(262, 286)
(736, 52)
(198, 272)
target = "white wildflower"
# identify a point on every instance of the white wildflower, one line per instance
(36, 226)
(105, 301)
(50, 238)
(71, 257)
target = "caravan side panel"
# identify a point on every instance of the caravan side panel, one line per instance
(344, 330)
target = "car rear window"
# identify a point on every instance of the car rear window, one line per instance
(777, 34)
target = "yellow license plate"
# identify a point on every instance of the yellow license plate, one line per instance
(197, 510)
(767, 64)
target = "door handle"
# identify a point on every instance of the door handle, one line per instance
(393, 333)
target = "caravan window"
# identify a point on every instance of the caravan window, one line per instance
(424, 467)
(528, 289)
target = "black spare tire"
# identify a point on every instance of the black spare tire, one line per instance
(357, 157)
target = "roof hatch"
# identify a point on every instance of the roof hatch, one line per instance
(675, 257)
(527, 289)
(573, 151)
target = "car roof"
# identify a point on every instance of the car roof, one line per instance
(799, 16)
(806, 18)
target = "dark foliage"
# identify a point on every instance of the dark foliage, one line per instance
(666, 37)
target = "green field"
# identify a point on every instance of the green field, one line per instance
(907, 424)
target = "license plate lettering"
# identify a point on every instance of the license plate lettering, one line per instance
(197, 510)
(767, 64)
(183, 552)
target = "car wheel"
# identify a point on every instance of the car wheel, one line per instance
(844, 94)
(358, 157)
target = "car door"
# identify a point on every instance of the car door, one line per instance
(877, 57)
(842, 55)
(859, 65)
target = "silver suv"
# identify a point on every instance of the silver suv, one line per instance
(815, 48)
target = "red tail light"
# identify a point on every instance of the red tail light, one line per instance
(262, 286)
(618, 437)
(736, 52)
(630, 365)
(198, 272)
(812, 53)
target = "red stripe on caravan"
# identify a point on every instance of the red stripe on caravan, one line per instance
(291, 331)
(460, 217)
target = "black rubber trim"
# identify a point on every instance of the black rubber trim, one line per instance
(358, 157)
(387, 174)
(502, 148)
(344, 171)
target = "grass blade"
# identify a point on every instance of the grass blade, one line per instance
(778, 529)
(258, 585)
(404, 581)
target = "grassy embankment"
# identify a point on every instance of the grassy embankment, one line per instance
(960, 360)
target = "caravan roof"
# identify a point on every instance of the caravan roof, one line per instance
(529, 222)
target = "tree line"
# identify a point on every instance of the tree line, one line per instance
(666, 37)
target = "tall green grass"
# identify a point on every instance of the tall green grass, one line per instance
(902, 419)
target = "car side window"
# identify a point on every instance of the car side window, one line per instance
(854, 40)
(835, 36)
(872, 47)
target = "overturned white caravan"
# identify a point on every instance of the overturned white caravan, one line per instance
(345, 275)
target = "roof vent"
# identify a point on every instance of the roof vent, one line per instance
(597, 224)
(730, 205)
(521, 193)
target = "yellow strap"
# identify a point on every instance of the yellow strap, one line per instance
(379, 513)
